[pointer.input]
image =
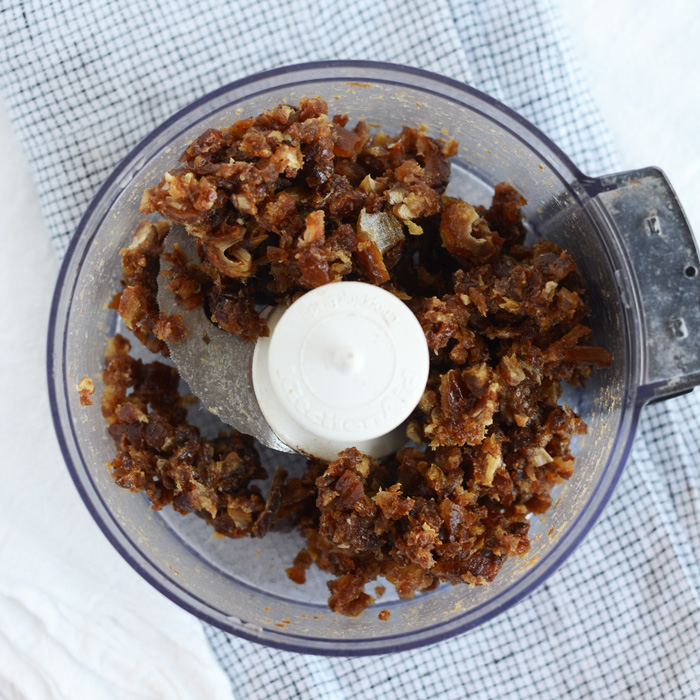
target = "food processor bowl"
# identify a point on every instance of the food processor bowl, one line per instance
(632, 244)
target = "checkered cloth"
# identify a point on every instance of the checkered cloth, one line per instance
(85, 81)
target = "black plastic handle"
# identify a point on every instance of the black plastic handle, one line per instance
(663, 253)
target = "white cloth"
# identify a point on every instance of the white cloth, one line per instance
(75, 620)
(621, 619)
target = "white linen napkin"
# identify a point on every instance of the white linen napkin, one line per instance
(76, 622)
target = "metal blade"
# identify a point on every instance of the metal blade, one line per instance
(216, 364)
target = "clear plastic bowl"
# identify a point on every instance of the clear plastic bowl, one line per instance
(240, 585)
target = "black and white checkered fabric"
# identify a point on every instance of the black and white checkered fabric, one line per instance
(84, 81)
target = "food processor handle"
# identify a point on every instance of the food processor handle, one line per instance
(665, 272)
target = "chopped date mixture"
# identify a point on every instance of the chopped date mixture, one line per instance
(137, 303)
(163, 455)
(290, 200)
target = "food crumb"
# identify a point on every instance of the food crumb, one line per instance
(297, 572)
(380, 590)
(86, 387)
(384, 615)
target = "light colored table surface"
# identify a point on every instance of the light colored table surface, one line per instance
(75, 620)
(643, 63)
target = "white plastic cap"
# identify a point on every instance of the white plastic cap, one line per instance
(344, 366)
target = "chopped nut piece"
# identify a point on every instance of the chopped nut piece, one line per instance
(538, 456)
(414, 432)
(383, 228)
(314, 231)
(511, 370)
(414, 229)
(370, 185)
(86, 388)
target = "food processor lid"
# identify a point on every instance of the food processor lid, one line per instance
(345, 365)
